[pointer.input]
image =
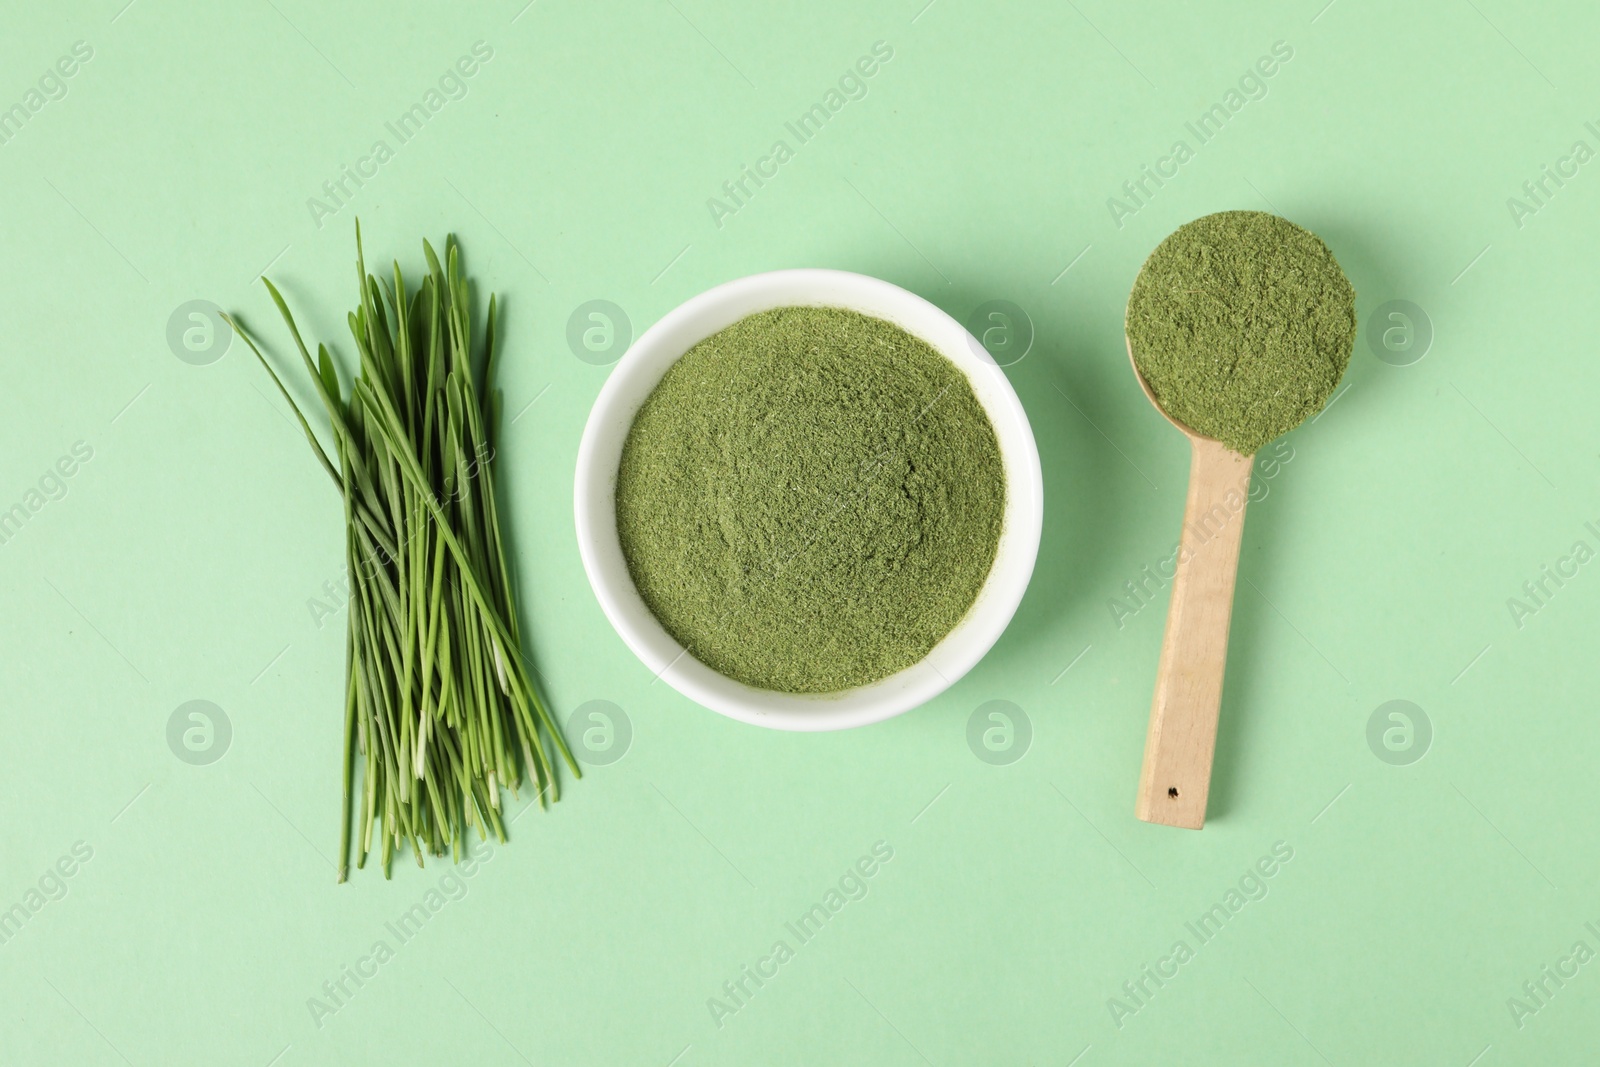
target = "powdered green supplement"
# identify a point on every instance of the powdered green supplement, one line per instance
(810, 499)
(1241, 324)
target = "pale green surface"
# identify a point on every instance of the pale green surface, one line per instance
(1377, 567)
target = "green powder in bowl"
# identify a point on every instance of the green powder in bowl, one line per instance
(810, 499)
(1241, 324)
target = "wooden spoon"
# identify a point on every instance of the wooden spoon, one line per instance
(1183, 716)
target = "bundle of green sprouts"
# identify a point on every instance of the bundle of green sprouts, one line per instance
(440, 711)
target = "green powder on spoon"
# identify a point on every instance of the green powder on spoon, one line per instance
(810, 499)
(1241, 324)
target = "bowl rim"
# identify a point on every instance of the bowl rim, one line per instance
(636, 375)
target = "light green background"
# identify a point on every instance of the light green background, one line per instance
(180, 562)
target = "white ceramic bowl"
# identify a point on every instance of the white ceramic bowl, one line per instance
(632, 381)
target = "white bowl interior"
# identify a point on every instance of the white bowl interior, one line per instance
(632, 381)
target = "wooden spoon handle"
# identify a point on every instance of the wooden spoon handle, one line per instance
(1183, 716)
